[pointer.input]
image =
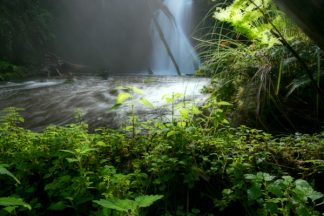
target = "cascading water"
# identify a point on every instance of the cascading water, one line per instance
(172, 51)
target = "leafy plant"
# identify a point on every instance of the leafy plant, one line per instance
(130, 207)
(247, 18)
(282, 196)
(250, 57)
(197, 168)
(11, 203)
(24, 32)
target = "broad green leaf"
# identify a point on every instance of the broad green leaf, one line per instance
(254, 192)
(171, 98)
(116, 106)
(287, 180)
(181, 124)
(184, 113)
(4, 171)
(129, 128)
(195, 110)
(225, 121)
(171, 133)
(121, 97)
(10, 209)
(68, 151)
(277, 188)
(249, 176)
(12, 201)
(227, 191)
(101, 144)
(146, 200)
(59, 206)
(304, 190)
(116, 204)
(87, 149)
(136, 90)
(146, 103)
(72, 160)
(268, 177)
(223, 103)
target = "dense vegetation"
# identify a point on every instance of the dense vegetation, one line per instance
(24, 36)
(199, 170)
(266, 66)
(191, 160)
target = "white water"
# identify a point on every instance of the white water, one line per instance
(55, 101)
(175, 35)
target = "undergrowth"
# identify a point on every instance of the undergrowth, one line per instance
(265, 65)
(9, 71)
(193, 165)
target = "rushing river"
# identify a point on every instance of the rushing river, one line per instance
(56, 101)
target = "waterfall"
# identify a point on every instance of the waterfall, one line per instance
(172, 52)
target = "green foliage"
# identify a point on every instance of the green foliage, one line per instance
(11, 203)
(248, 19)
(283, 196)
(131, 207)
(251, 68)
(4, 171)
(9, 71)
(24, 31)
(199, 169)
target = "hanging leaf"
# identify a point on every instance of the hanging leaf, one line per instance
(12, 201)
(121, 97)
(116, 106)
(4, 171)
(147, 200)
(116, 204)
(146, 103)
(223, 103)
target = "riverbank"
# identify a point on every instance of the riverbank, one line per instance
(12, 72)
(197, 169)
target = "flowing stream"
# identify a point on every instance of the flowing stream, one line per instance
(169, 35)
(55, 101)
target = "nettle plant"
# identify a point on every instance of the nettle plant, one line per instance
(11, 204)
(274, 196)
(126, 206)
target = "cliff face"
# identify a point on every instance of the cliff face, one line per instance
(309, 15)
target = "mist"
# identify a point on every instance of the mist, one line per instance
(114, 35)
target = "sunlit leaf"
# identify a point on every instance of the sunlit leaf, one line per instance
(184, 113)
(72, 160)
(182, 124)
(136, 90)
(12, 201)
(101, 144)
(146, 103)
(195, 110)
(146, 200)
(68, 151)
(121, 97)
(224, 103)
(116, 204)
(10, 209)
(116, 106)
(171, 133)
